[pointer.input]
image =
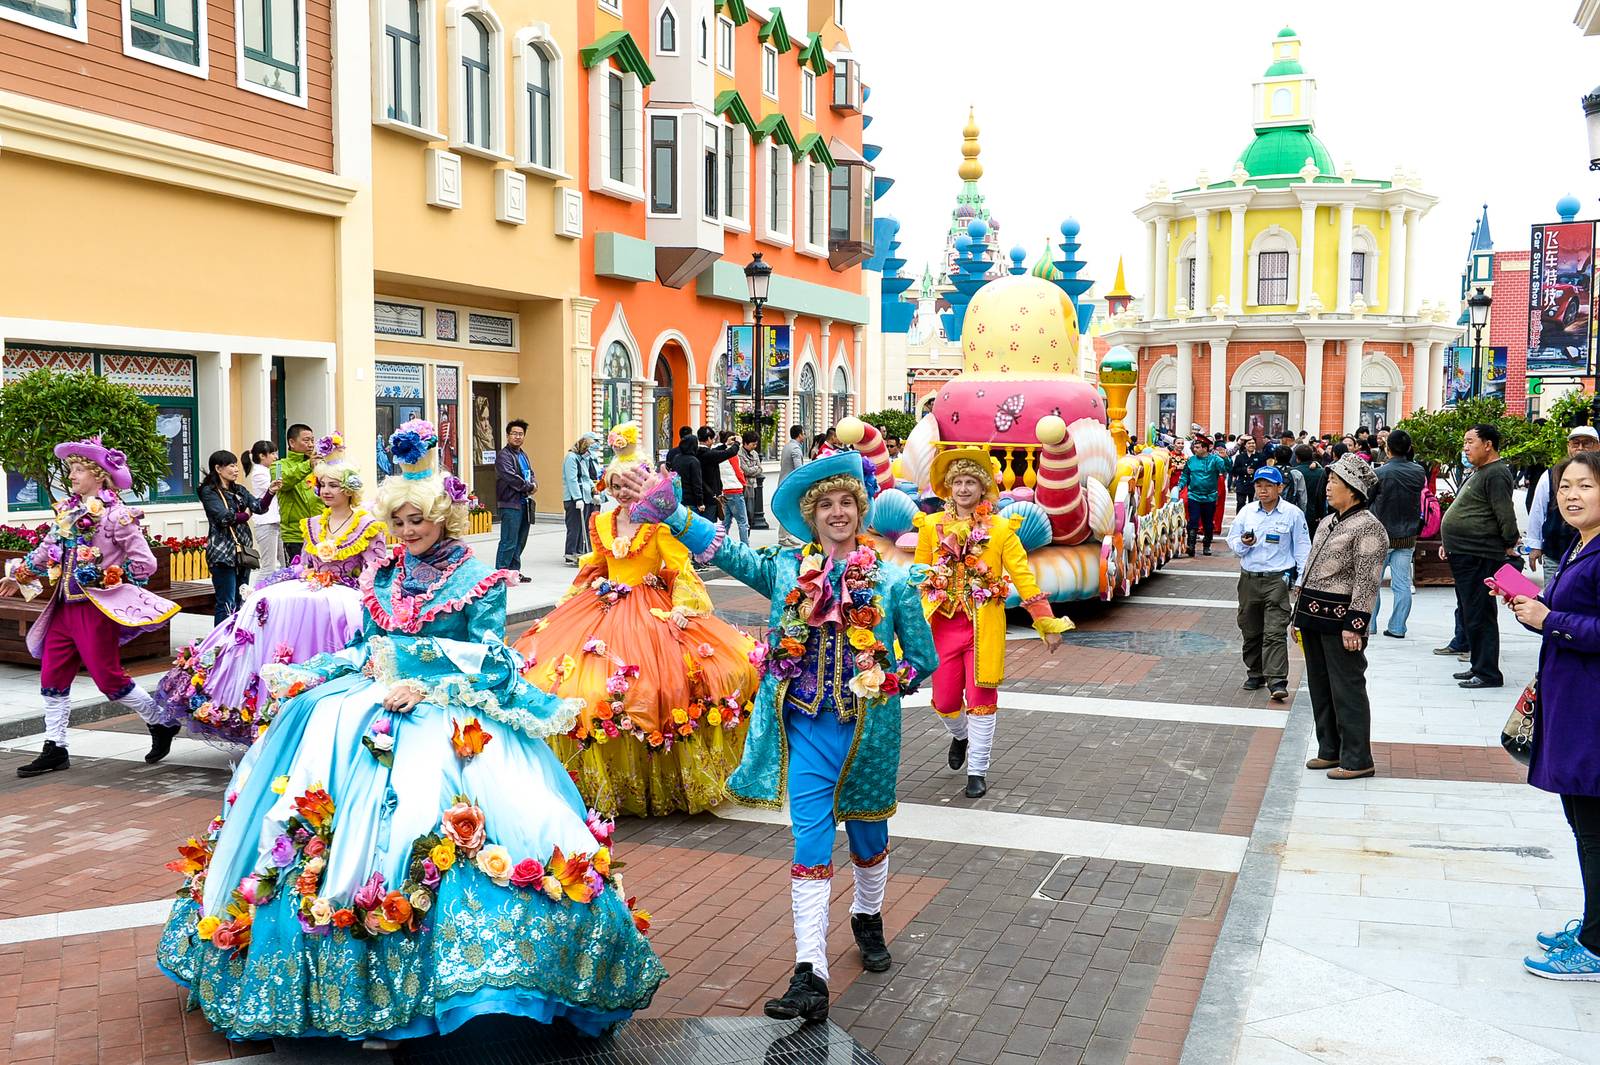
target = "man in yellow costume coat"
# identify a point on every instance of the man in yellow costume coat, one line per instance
(971, 551)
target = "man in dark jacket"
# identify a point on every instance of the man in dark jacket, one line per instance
(514, 485)
(1480, 536)
(684, 460)
(1398, 505)
(711, 460)
(1247, 459)
(1316, 478)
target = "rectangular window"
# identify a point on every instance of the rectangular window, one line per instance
(615, 124)
(710, 178)
(817, 205)
(847, 85)
(775, 188)
(735, 173)
(541, 150)
(808, 94)
(664, 164)
(402, 33)
(271, 31)
(49, 13)
(725, 45)
(839, 203)
(166, 28)
(1358, 274)
(769, 71)
(1272, 282)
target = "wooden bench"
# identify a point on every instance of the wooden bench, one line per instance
(18, 615)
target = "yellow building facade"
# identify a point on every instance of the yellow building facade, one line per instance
(1284, 295)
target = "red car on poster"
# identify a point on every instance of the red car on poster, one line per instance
(1566, 302)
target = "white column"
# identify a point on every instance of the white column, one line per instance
(1352, 385)
(1159, 307)
(1436, 375)
(698, 415)
(1399, 261)
(1219, 386)
(1202, 261)
(1313, 411)
(1185, 387)
(1347, 213)
(1308, 252)
(1419, 377)
(1236, 260)
(1413, 218)
(1155, 258)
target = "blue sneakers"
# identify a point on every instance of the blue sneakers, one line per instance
(1574, 963)
(1562, 940)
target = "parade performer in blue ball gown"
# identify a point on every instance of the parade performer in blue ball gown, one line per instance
(401, 851)
(846, 639)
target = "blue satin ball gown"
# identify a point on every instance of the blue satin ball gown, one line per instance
(392, 875)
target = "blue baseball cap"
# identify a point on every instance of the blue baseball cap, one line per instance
(1269, 474)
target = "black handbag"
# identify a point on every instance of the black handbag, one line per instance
(1517, 734)
(245, 555)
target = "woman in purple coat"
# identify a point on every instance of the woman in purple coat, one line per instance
(1566, 733)
(97, 560)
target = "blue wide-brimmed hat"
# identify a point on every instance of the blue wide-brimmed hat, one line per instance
(786, 500)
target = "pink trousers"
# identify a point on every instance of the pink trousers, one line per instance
(955, 685)
(80, 634)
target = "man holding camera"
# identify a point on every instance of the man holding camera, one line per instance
(1271, 540)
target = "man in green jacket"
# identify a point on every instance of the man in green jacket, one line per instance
(1479, 536)
(1202, 475)
(298, 500)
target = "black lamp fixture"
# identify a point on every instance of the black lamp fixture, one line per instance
(758, 276)
(1591, 116)
(911, 395)
(1478, 316)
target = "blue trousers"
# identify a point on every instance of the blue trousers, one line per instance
(818, 747)
(514, 522)
(1398, 562)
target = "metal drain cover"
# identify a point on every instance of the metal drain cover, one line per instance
(696, 1041)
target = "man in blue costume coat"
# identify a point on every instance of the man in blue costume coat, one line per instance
(846, 639)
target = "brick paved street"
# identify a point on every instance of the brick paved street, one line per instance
(1071, 915)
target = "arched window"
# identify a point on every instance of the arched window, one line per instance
(705, 41)
(403, 36)
(841, 396)
(806, 402)
(616, 387)
(1281, 101)
(477, 83)
(1363, 265)
(536, 66)
(540, 140)
(667, 32)
(1274, 261)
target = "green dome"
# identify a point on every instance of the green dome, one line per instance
(1283, 151)
(1284, 66)
(1287, 32)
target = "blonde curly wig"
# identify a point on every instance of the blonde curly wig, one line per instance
(844, 483)
(427, 494)
(968, 468)
(348, 477)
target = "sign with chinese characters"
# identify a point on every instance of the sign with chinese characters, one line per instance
(777, 360)
(1561, 329)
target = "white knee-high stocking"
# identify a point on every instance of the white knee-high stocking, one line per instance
(57, 712)
(981, 730)
(810, 902)
(871, 881)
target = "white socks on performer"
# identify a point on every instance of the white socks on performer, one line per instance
(870, 882)
(981, 729)
(956, 725)
(138, 700)
(810, 900)
(57, 712)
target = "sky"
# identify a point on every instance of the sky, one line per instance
(1083, 106)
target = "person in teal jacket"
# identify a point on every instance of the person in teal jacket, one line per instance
(1203, 475)
(847, 639)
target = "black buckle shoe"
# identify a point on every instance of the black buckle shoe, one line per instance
(1253, 684)
(868, 930)
(161, 737)
(807, 997)
(53, 757)
(977, 787)
(958, 753)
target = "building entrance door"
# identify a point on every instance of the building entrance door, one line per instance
(1374, 410)
(487, 421)
(1266, 414)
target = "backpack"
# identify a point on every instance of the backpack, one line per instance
(1294, 487)
(1432, 514)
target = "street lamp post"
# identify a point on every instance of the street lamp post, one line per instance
(1478, 315)
(911, 395)
(758, 276)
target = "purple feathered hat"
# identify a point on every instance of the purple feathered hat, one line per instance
(109, 459)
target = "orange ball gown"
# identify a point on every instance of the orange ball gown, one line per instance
(666, 709)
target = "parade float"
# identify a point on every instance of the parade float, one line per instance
(1095, 519)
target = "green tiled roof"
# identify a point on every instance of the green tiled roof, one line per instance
(777, 127)
(732, 104)
(775, 32)
(813, 56)
(619, 45)
(1285, 66)
(735, 10)
(813, 145)
(1284, 150)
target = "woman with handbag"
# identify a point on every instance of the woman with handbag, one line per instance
(1333, 618)
(1565, 750)
(230, 547)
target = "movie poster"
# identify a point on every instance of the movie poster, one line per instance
(741, 356)
(1560, 300)
(1458, 374)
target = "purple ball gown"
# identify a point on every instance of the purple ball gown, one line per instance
(214, 686)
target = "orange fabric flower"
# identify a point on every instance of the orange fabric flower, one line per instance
(315, 807)
(344, 918)
(470, 739)
(572, 873)
(396, 911)
(463, 823)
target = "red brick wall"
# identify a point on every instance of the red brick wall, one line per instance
(1508, 324)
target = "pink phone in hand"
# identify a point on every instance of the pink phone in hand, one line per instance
(1508, 580)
